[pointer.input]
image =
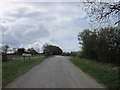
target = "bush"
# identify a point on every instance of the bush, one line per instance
(4, 57)
(51, 50)
(102, 45)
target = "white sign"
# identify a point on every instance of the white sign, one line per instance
(26, 54)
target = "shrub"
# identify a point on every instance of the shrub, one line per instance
(4, 57)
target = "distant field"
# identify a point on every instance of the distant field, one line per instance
(104, 73)
(15, 68)
(0, 74)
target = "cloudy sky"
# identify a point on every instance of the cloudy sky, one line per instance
(32, 24)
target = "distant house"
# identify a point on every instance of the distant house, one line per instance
(10, 51)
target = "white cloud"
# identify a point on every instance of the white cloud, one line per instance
(33, 24)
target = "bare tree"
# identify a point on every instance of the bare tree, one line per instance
(102, 11)
(38, 50)
(5, 48)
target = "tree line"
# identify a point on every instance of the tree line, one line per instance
(31, 51)
(48, 50)
(102, 45)
(18, 51)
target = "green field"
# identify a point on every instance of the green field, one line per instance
(15, 68)
(103, 73)
(0, 74)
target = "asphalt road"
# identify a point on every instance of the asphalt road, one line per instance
(55, 72)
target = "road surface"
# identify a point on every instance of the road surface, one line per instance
(54, 72)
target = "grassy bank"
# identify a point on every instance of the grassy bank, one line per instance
(13, 69)
(104, 74)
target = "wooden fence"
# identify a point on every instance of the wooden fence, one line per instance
(18, 57)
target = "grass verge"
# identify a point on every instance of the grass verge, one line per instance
(108, 77)
(13, 69)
